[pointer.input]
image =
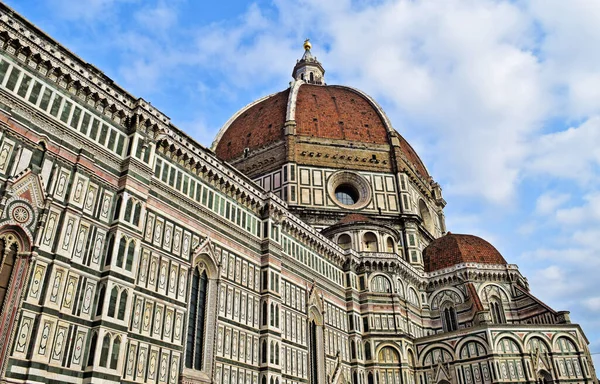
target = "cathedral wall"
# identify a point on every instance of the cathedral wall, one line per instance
(145, 259)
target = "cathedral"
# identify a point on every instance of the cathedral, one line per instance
(307, 246)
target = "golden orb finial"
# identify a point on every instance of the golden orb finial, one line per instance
(307, 45)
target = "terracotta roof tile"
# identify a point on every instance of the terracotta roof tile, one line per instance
(338, 113)
(259, 126)
(453, 249)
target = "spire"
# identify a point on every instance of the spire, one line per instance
(308, 68)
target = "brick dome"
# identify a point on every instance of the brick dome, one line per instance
(335, 112)
(319, 111)
(453, 249)
(330, 112)
(257, 125)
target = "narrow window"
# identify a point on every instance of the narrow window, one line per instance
(104, 352)
(112, 304)
(122, 306)
(45, 99)
(12, 79)
(7, 267)
(92, 351)
(24, 86)
(314, 370)
(137, 211)
(195, 337)
(130, 254)
(100, 301)
(85, 122)
(121, 252)
(128, 210)
(55, 105)
(114, 356)
(35, 93)
(3, 68)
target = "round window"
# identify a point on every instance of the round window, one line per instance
(346, 194)
(349, 190)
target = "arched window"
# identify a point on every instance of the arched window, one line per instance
(104, 351)
(389, 245)
(370, 378)
(381, 284)
(277, 316)
(425, 215)
(122, 306)
(112, 304)
(117, 208)
(449, 319)
(544, 377)
(497, 311)
(353, 349)
(8, 254)
(136, 213)
(314, 363)
(92, 350)
(344, 241)
(264, 380)
(277, 353)
(109, 250)
(121, 251)
(272, 315)
(368, 351)
(370, 242)
(388, 355)
(100, 300)
(264, 352)
(130, 254)
(128, 209)
(264, 313)
(195, 334)
(272, 360)
(312, 78)
(114, 356)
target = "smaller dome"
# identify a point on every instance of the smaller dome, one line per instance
(453, 249)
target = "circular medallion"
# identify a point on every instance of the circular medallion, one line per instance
(21, 214)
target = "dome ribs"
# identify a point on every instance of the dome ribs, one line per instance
(341, 115)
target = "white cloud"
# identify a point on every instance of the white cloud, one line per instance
(570, 154)
(89, 10)
(586, 213)
(570, 30)
(548, 202)
(157, 18)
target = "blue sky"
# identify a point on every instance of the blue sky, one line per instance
(500, 98)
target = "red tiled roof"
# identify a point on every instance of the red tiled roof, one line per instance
(338, 113)
(453, 249)
(413, 158)
(259, 126)
(321, 111)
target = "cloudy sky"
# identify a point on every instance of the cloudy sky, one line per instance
(500, 98)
